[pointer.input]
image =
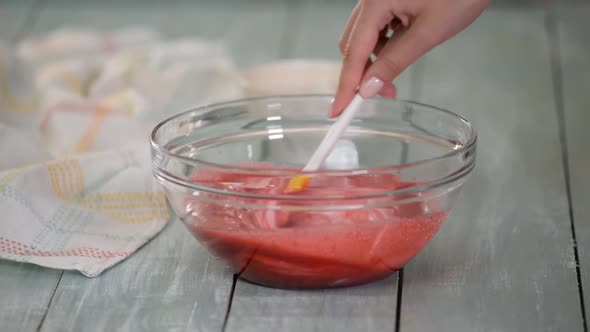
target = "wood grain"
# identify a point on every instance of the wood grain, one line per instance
(504, 260)
(365, 308)
(25, 289)
(574, 60)
(171, 283)
(316, 28)
(252, 30)
(26, 293)
(13, 18)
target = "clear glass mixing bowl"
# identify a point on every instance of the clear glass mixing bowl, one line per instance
(383, 195)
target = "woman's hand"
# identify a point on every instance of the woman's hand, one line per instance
(418, 25)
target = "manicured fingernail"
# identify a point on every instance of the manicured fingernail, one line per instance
(332, 112)
(371, 87)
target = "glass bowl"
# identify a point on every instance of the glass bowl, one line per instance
(383, 194)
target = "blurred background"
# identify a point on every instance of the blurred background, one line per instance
(521, 56)
(525, 53)
(520, 74)
(256, 31)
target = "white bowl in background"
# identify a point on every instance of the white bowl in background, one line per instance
(292, 77)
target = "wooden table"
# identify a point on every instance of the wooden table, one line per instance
(514, 256)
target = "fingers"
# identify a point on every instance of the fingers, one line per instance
(363, 38)
(418, 27)
(389, 90)
(344, 39)
(396, 56)
(381, 41)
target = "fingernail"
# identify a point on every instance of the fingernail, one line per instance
(371, 87)
(332, 111)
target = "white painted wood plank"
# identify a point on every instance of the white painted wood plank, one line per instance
(26, 292)
(371, 307)
(172, 283)
(25, 289)
(251, 30)
(504, 260)
(573, 25)
(13, 15)
(317, 27)
(316, 31)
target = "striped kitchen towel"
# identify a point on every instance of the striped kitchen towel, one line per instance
(83, 213)
(70, 196)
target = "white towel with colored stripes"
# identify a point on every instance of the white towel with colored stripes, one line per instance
(76, 108)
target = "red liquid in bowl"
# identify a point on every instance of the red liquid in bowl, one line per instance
(311, 248)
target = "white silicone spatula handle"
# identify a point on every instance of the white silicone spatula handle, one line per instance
(333, 135)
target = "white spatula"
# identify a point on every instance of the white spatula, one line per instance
(322, 152)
